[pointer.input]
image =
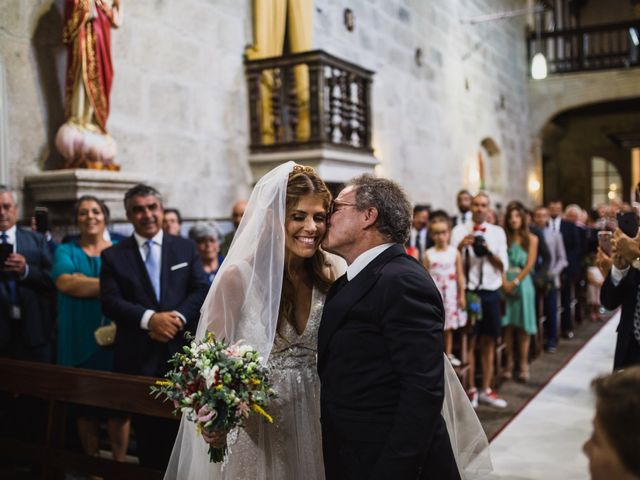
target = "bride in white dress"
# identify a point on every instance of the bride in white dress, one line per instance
(270, 293)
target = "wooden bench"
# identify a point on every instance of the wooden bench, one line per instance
(61, 386)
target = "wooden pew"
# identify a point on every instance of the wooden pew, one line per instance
(59, 386)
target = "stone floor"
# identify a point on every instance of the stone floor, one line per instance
(544, 440)
(541, 371)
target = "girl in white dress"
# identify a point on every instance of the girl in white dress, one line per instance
(444, 263)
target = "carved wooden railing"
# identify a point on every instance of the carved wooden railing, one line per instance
(331, 96)
(59, 387)
(599, 47)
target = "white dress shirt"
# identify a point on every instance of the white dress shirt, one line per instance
(496, 243)
(364, 259)
(554, 223)
(157, 244)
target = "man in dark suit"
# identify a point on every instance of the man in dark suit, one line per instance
(573, 245)
(620, 288)
(26, 289)
(380, 346)
(152, 285)
(419, 240)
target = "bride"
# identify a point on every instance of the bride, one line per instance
(270, 292)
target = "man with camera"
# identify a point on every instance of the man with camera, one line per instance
(26, 288)
(483, 247)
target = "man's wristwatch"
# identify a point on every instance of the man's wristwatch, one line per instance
(636, 263)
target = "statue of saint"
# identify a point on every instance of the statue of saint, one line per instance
(83, 140)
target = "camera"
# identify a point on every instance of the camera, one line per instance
(479, 246)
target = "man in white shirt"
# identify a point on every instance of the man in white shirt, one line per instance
(483, 247)
(463, 200)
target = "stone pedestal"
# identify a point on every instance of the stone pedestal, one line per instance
(59, 189)
(333, 164)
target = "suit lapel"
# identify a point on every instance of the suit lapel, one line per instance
(340, 302)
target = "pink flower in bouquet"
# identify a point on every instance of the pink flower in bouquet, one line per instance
(204, 414)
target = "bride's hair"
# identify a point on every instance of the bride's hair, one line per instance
(304, 181)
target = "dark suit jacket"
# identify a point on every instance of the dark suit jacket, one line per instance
(126, 292)
(625, 294)
(380, 360)
(574, 240)
(35, 295)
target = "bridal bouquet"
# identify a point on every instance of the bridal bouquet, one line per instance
(216, 385)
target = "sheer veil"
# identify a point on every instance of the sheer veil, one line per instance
(243, 302)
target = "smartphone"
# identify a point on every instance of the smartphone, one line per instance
(604, 241)
(6, 249)
(41, 215)
(628, 223)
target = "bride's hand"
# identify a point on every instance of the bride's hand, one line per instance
(216, 438)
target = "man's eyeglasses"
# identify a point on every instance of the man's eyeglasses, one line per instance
(337, 206)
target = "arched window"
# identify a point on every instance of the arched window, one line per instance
(606, 182)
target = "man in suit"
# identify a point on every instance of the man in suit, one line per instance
(152, 285)
(380, 346)
(419, 239)
(26, 289)
(463, 201)
(620, 288)
(573, 245)
(558, 262)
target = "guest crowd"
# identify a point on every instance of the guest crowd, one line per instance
(499, 273)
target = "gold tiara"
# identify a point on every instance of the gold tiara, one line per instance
(302, 169)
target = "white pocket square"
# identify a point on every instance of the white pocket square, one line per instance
(179, 265)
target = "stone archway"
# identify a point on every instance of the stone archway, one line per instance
(569, 141)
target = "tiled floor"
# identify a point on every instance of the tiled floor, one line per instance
(545, 440)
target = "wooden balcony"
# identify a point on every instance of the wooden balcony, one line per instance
(600, 47)
(310, 107)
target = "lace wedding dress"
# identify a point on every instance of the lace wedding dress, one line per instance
(291, 447)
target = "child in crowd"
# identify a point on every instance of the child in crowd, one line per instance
(444, 263)
(594, 282)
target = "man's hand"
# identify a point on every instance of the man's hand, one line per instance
(604, 262)
(16, 263)
(163, 326)
(217, 438)
(624, 246)
(466, 242)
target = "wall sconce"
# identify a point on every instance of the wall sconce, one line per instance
(534, 185)
(349, 19)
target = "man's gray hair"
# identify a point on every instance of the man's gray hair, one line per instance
(386, 196)
(141, 190)
(202, 230)
(14, 195)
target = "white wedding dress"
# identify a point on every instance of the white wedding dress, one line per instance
(291, 447)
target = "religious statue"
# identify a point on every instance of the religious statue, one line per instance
(83, 140)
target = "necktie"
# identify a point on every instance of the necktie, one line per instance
(13, 292)
(152, 264)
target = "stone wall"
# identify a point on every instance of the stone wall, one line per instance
(430, 119)
(179, 110)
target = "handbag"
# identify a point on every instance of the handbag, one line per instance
(105, 335)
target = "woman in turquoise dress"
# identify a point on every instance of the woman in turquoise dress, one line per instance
(517, 284)
(76, 271)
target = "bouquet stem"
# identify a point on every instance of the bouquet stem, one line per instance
(216, 455)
